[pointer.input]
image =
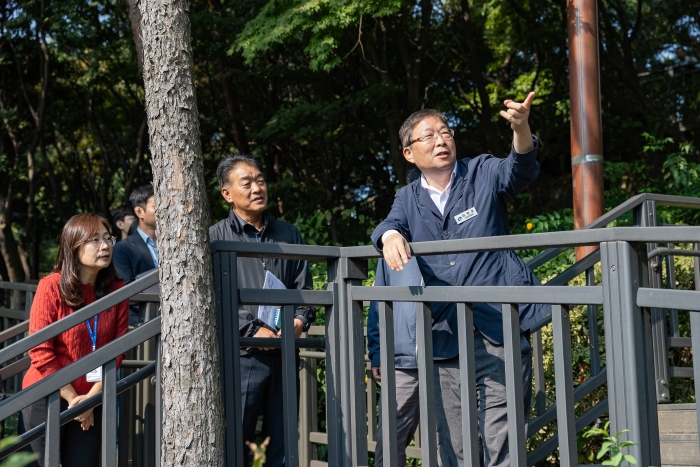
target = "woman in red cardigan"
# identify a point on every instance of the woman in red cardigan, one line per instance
(82, 274)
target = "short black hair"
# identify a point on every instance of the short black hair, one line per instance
(228, 163)
(121, 212)
(140, 196)
(406, 130)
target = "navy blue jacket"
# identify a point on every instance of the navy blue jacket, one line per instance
(404, 316)
(484, 183)
(131, 258)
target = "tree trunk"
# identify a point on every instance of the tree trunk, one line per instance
(193, 417)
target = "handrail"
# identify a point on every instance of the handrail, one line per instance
(67, 416)
(569, 238)
(75, 370)
(74, 319)
(19, 286)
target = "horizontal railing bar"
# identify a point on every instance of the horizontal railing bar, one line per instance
(146, 297)
(311, 354)
(588, 417)
(563, 295)
(581, 391)
(9, 313)
(678, 342)
(276, 250)
(566, 239)
(616, 213)
(14, 331)
(77, 317)
(136, 363)
(680, 372)
(21, 286)
(673, 200)
(276, 342)
(669, 298)
(75, 370)
(15, 368)
(285, 297)
(663, 251)
(576, 269)
(37, 432)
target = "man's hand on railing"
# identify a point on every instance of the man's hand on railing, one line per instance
(396, 251)
(264, 332)
(377, 373)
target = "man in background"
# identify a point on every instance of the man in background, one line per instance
(137, 253)
(123, 218)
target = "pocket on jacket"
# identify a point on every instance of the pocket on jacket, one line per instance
(515, 269)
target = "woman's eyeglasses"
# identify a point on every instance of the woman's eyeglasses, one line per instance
(97, 241)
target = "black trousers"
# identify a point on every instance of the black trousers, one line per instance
(261, 394)
(78, 448)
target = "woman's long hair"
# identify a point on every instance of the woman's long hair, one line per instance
(78, 230)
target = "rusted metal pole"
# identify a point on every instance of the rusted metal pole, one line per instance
(586, 125)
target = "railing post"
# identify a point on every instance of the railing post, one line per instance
(109, 415)
(426, 383)
(646, 217)
(354, 271)
(52, 451)
(388, 401)
(629, 353)
(564, 382)
(695, 336)
(517, 437)
(226, 289)
(289, 389)
(335, 427)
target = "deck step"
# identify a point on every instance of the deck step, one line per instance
(678, 434)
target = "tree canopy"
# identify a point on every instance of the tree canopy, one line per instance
(317, 89)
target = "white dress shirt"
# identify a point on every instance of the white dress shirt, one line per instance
(438, 197)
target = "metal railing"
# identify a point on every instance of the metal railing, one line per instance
(624, 270)
(105, 356)
(628, 295)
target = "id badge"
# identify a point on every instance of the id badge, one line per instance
(95, 375)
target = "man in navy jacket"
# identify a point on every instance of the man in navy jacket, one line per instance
(137, 253)
(466, 199)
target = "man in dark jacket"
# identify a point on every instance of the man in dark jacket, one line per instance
(243, 187)
(466, 199)
(137, 253)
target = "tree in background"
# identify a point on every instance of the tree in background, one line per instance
(193, 418)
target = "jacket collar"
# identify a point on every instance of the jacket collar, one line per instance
(237, 223)
(424, 200)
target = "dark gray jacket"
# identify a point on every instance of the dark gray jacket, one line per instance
(294, 274)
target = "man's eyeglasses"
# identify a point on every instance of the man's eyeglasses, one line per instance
(431, 137)
(97, 241)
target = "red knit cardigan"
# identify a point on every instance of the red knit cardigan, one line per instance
(67, 347)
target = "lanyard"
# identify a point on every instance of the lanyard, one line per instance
(93, 334)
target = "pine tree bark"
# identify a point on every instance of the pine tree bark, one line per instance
(193, 418)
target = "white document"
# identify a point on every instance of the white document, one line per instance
(270, 314)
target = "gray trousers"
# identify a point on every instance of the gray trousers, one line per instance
(492, 414)
(491, 400)
(407, 415)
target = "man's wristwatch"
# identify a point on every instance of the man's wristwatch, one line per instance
(306, 322)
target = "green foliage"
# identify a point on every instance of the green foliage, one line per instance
(319, 24)
(18, 459)
(612, 446)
